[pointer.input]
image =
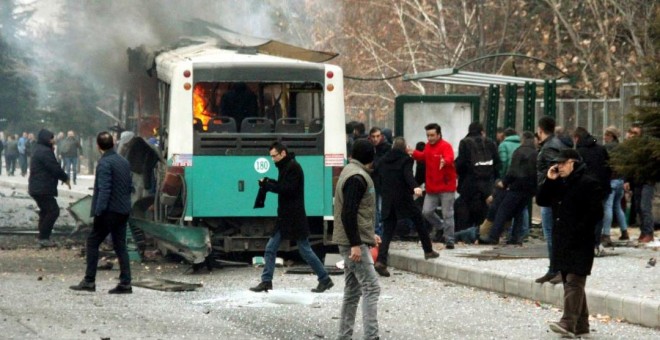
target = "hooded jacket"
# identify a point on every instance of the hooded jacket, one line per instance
(45, 170)
(505, 150)
(597, 160)
(396, 176)
(548, 151)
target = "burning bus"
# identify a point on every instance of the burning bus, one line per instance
(219, 108)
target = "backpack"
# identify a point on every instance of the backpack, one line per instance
(481, 159)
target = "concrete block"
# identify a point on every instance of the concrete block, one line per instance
(474, 277)
(597, 301)
(452, 273)
(525, 287)
(442, 271)
(463, 276)
(486, 279)
(614, 306)
(423, 267)
(511, 284)
(650, 313)
(538, 292)
(497, 283)
(631, 308)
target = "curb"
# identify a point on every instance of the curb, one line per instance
(634, 310)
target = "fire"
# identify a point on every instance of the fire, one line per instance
(200, 105)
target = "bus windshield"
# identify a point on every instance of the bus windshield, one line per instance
(258, 107)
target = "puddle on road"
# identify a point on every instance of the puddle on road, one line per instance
(274, 298)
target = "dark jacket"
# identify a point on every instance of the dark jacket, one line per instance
(70, 147)
(468, 184)
(45, 170)
(379, 151)
(290, 189)
(11, 148)
(521, 175)
(548, 151)
(113, 185)
(597, 160)
(577, 206)
(396, 177)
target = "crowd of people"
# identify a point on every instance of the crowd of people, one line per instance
(570, 175)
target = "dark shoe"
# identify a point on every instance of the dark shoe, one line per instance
(262, 287)
(449, 244)
(84, 286)
(606, 241)
(381, 269)
(545, 278)
(433, 254)
(645, 238)
(581, 332)
(487, 241)
(323, 286)
(559, 328)
(624, 236)
(121, 289)
(46, 244)
(555, 280)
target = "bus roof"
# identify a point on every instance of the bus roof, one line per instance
(206, 50)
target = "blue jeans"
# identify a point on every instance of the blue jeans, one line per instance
(613, 208)
(305, 251)
(646, 209)
(547, 223)
(378, 221)
(360, 281)
(71, 165)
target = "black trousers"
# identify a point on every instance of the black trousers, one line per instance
(389, 226)
(576, 312)
(49, 211)
(114, 224)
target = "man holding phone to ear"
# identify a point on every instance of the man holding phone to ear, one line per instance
(576, 202)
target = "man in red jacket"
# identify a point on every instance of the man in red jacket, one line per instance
(438, 156)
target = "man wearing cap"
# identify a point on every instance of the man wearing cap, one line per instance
(576, 202)
(354, 233)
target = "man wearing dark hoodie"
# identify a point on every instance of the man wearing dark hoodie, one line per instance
(597, 160)
(45, 171)
(394, 172)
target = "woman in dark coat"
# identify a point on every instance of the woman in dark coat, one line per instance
(291, 219)
(394, 172)
(576, 200)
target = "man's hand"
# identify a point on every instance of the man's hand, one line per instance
(553, 172)
(417, 192)
(378, 240)
(499, 184)
(68, 183)
(442, 162)
(356, 254)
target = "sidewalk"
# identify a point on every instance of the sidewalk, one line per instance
(622, 285)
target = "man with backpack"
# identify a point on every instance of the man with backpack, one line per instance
(477, 167)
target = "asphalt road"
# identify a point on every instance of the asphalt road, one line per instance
(35, 303)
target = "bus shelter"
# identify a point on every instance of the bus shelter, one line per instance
(494, 82)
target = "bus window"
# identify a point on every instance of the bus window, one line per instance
(257, 101)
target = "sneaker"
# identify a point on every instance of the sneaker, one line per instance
(381, 269)
(624, 236)
(557, 279)
(449, 244)
(645, 238)
(121, 289)
(84, 286)
(606, 241)
(263, 287)
(433, 254)
(559, 328)
(545, 278)
(323, 286)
